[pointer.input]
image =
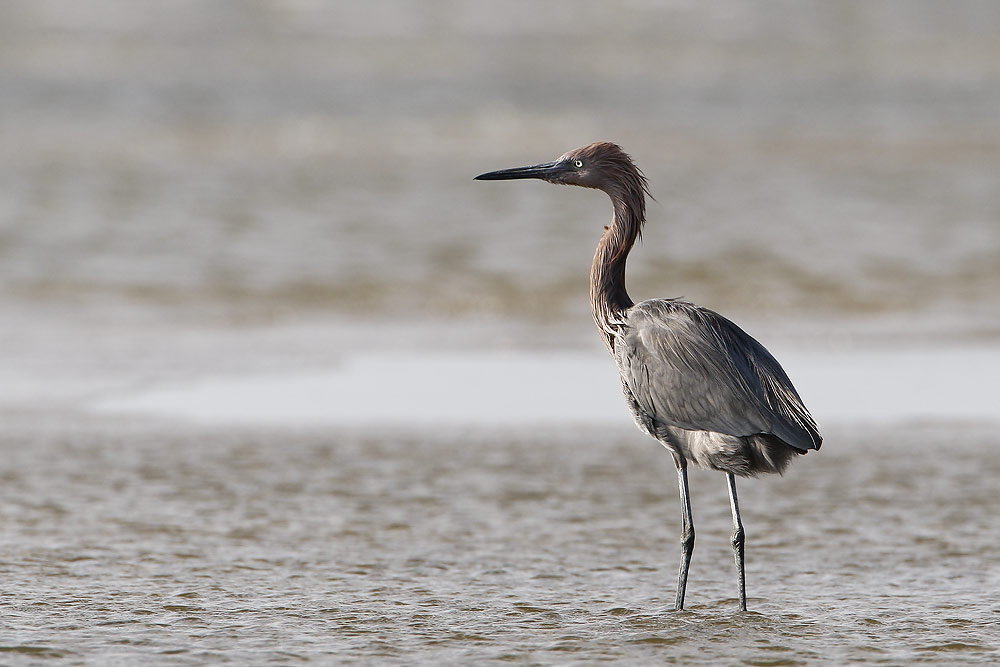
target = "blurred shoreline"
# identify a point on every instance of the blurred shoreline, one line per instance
(489, 371)
(521, 390)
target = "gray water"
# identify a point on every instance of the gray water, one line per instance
(124, 543)
(202, 195)
(272, 159)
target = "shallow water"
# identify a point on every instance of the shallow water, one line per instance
(123, 541)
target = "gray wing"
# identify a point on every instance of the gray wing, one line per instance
(690, 367)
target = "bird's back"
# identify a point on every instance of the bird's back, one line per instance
(695, 375)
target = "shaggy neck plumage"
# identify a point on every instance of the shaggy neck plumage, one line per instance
(608, 297)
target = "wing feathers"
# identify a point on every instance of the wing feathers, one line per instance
(692, 368)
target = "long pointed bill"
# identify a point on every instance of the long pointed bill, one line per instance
(542, 171)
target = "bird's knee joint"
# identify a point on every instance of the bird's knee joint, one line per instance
(687, 540)
(739, 538)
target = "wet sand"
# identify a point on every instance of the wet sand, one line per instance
(506, 388)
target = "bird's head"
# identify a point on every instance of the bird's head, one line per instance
(603, 165)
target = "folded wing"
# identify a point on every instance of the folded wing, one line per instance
(692, 368)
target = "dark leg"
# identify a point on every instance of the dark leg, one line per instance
(738, 541)
(687, 533)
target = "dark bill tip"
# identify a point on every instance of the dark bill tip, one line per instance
(542, 171)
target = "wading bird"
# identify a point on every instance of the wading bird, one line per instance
(692, 379)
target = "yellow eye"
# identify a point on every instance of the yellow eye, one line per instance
(578, 164)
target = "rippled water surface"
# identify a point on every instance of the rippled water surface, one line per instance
(126, 542)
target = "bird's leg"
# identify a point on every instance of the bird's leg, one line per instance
(687, 533)
(738, 541)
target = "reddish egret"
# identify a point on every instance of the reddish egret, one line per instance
(692, 379)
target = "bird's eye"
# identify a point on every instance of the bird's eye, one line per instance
(578, 164)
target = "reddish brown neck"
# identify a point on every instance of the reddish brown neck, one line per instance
(608, 297)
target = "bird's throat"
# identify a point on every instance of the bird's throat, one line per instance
(608, 297)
